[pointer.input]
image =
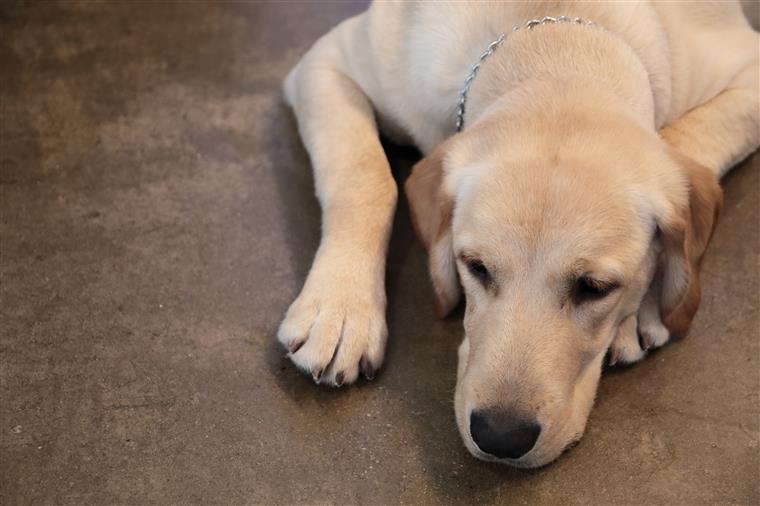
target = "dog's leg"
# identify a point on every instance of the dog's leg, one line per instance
(723, 131)
(717, 134)
(336, 327)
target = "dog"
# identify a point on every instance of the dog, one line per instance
(569, 189)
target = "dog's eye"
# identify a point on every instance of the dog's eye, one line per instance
(588, 289)
(478, 270)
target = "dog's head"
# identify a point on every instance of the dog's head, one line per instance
(554, 235)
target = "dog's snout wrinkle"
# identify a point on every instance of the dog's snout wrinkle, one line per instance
(503, 435)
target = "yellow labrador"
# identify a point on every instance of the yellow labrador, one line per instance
(572, 209)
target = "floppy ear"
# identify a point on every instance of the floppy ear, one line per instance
(431, 209)
(685, 238)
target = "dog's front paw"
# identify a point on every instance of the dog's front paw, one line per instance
(638, 334)
(625, 347)
(334, 330)
(652, 332)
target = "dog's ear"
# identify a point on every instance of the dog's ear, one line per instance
(431, 211)
(685, 236)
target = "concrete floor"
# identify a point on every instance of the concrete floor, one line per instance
(157, 218)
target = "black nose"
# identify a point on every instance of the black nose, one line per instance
(503, 435)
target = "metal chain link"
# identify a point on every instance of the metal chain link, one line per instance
(493, 46)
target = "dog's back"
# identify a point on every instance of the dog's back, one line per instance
(413, 58)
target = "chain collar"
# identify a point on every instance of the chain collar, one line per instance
(493, 46)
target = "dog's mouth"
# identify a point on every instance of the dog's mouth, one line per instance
(524, 462)
(532, 463)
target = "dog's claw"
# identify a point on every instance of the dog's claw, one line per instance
(645, 341)
(339, 379)
(294, 346)
(366, 367)
(317, 374)
(614, 357)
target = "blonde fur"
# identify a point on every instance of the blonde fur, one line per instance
(586, 153)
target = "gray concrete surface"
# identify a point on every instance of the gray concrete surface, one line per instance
(157, 217)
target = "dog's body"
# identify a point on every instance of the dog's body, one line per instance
(591, 150)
